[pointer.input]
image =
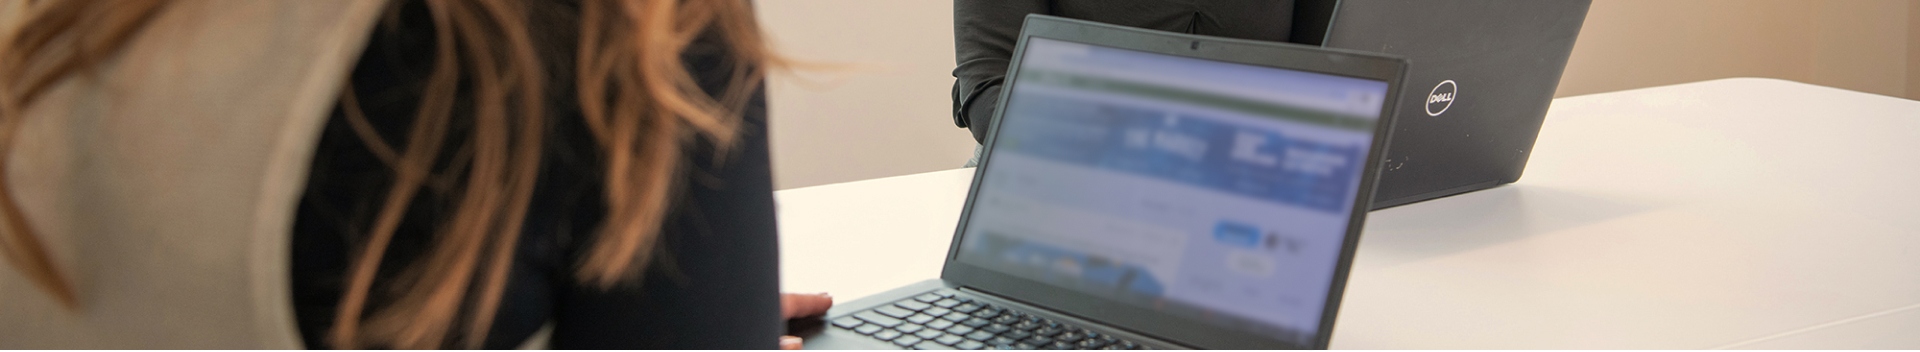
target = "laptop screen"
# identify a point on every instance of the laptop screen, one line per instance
(1214, 191)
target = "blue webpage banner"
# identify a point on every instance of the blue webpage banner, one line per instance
(1261, 163)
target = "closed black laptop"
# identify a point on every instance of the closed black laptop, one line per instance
(1145, 189)
(1483, 74)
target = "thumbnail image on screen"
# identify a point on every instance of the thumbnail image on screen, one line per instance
(1211, 190)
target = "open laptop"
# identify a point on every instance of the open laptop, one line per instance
(1146, 189)
(1484, 73)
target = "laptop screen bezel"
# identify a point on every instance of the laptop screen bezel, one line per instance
(1141, 320)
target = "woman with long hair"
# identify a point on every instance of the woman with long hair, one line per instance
(485, 168)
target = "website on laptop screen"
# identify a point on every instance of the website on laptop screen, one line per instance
(1209, 190)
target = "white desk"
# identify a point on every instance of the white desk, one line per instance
(1744, 213)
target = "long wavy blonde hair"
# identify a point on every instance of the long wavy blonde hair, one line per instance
(635, 95)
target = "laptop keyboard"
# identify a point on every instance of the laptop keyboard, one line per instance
(943, 320)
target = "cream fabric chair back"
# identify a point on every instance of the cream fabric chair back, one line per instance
(166, 185)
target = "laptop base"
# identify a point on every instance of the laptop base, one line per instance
(1449, 192)
(828, 332)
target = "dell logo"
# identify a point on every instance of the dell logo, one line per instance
(1441, 97)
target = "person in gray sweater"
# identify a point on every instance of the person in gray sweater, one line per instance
(985, 32)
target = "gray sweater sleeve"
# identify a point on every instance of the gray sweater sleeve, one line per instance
(984, 33)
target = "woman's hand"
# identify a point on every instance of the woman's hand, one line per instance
(798, 305)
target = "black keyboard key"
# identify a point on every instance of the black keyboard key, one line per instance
(937, 311)
(949, 339)
(944, 293)
(909, 328)
(1006, 319)
(929, 333)
(847, 322)
(912, 305)
(970, 345)
(1093, 335)
(988, 312)
(975, 322)
(895, 312)
(1046, 331)
(1038, 340)
(956, 317)
(960, 330)
(1057, 345)
(1018, 334)
(1002, 340)
(927, 298)
(877, 319)
(920, 319)
(930, 345)
(1026, 326)
(981, 335)
(940, 325)
(887, 335)
(946, 303)
(997, 328)
(968, 308)
(1070, 336)
(1090, 344)
(1129, 345)
(867, 329)
(1025, 346)
(906, 341)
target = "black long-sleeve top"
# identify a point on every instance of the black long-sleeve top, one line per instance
(713, 285)
(985, 32)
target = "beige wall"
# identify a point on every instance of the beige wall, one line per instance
(886, 114)
(1633, 43)
(883, 112)
(1863, 45)
(1913, 50)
